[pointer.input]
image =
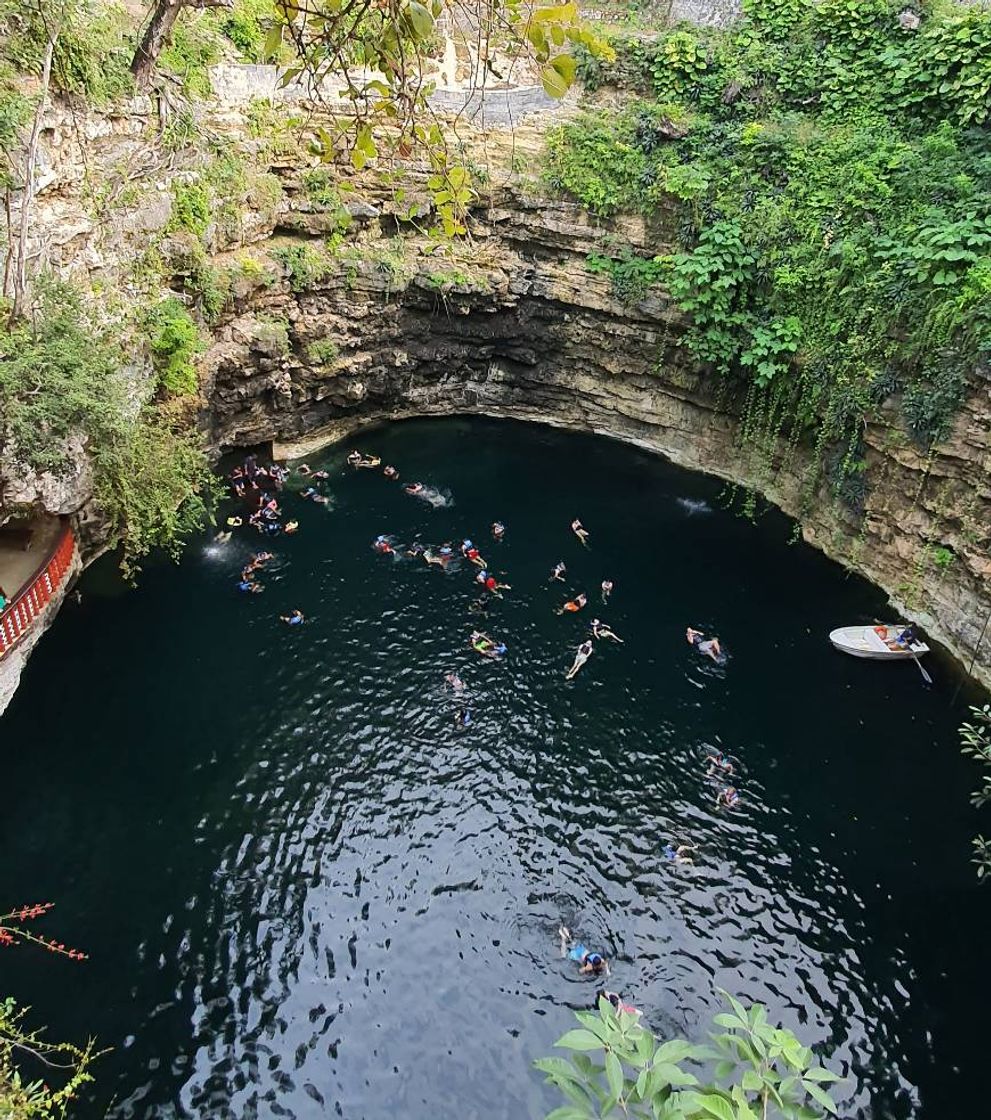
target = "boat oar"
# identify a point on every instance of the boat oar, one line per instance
(925, 676)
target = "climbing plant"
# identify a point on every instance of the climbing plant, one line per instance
(834, 221)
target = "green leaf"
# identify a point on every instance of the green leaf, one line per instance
(820, 1074)
(717, 1106)
(614, 1074)
(821, 1096)
(421, 19)
(273, 40)
(579, 1039)
(554, 84)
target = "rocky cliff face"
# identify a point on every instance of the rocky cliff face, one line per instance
(523, 330)
(514, 325)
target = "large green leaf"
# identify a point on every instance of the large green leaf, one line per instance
(579, 1040)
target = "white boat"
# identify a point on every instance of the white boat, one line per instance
(872, 642)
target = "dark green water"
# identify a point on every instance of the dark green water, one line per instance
(307, 893)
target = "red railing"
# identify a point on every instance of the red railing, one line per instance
(34, 596)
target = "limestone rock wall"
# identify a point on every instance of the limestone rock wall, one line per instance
(526, 331)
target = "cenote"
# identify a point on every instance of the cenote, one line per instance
(306, 892)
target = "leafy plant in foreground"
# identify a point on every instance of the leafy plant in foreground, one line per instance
(618, 1068)
(976, 739)
(23, 1097)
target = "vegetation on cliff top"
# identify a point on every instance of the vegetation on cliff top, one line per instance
(62, 380)
(832, 168)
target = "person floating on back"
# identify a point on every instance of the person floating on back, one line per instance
(558, 573)
(573, 605)
(391, 472)
(606, 590)
(583, 654)
(580, 531)
(294, 618)
(710, 647)
(601, 630)
(498, 530)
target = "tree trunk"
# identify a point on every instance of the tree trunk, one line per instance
(157, 35)
(27, 195)
(155, 38)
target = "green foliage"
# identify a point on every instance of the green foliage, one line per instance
(619, 1069)
(190, 207)
(55, 381)
(976, 740)
(22, 1099)
(155, 485)
(835, 228)
(631, 275)
(174, 341)
(60, 377)
(322, 351)
(950, 72)
(196, 45)
(307, 264)
(92, 50)
(247, 25)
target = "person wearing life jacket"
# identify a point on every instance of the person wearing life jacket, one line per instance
(589, 962)
(574, 605)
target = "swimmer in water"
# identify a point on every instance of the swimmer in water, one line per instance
(382, 545)
(573, 605)
(558, 573)
(463, 718)
(455, 682)
(291, 527)
(601, 630)
(470, 552)
(249, 585)
(727, 798)
(413, 487)
(303, 469)
(498, 530)
(717, 763)
(390, 472)
(580, 531)
(235, 522)
(679, 854)
(294, 618)
(438, 558)
(606, 590)
(710, 647)
(588, 961)
(354, 458)
(616, 1003)
(484, 645)
(583, 654)
(223, 536)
